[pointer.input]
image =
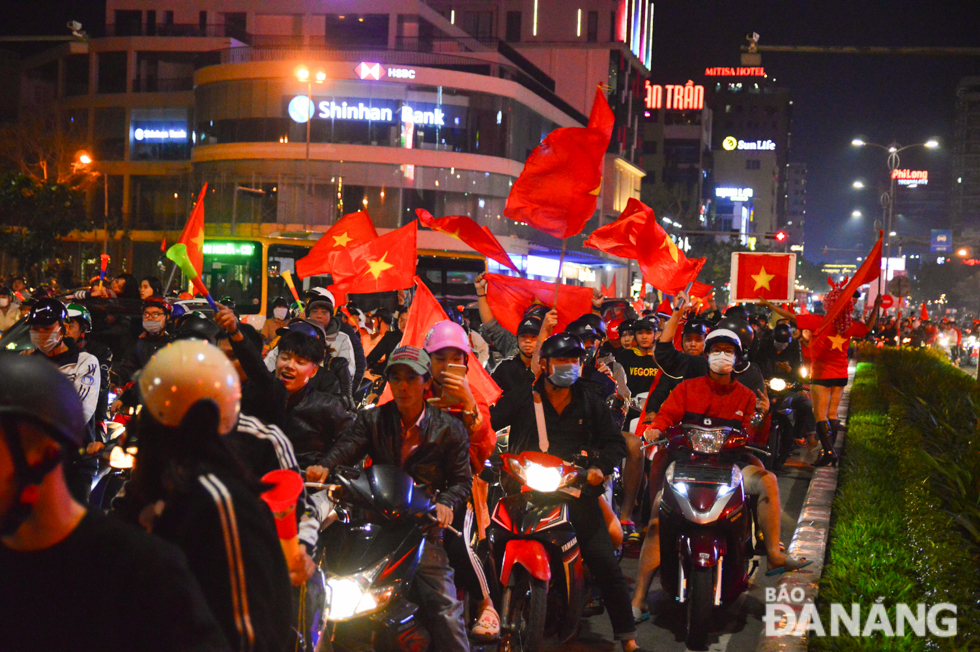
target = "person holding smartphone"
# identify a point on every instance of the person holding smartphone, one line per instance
(449, 350)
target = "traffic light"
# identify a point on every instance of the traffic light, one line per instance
(781, 236)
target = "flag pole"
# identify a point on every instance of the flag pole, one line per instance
(561, 260)
(170, 279)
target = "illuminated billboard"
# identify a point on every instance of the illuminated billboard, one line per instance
(687, 97)
(911, 178)
(741, 71)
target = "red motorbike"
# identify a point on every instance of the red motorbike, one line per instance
(707, 524)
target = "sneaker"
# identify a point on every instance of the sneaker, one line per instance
(487, 626)
(629, 529)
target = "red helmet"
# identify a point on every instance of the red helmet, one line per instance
(612, 329)
(159, 302)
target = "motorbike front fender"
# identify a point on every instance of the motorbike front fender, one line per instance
(527, 553)
(702, 549)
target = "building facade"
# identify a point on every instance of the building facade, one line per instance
(965, 191)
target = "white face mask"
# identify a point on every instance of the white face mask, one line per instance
(721, 362)
(152, 326)
(781, 346)
(46, 343)
(280, 313)
(4, 302)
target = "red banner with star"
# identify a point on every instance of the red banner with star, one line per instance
(384, 264)
(763, 276)
(350, 231)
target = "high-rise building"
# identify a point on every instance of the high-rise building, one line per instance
(965, 191)
(796, 203)
(405, 104)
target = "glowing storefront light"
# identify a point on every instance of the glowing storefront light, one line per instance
(911, 177)
(734, 194)
(686, 97)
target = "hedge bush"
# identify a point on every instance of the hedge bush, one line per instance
(906, 517)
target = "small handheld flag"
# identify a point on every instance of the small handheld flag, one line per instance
(105, 263)
(178, 254)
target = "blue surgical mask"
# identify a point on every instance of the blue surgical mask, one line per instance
(566, 374)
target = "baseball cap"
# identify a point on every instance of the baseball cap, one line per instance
(413, 357)
(530, 325)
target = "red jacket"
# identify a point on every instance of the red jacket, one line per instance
(732, 405)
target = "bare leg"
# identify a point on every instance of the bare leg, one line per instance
(821, 402)
(649, 556)
(764, 484)
(632, 476)
(834, 403)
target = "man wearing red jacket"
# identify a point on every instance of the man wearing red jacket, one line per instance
(726, 402)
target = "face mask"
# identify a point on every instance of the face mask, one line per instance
(280, 313)
(4, 302)
(565, 375)
(46, 343)
(721, 362)
(781, 346)
(152, 326)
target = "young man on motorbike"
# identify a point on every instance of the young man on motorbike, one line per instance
(433, 448)
(514, 373)
(720, 397)
(118, 588)
(575, 419)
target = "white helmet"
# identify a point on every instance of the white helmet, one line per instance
(320, 295)
(185, 372)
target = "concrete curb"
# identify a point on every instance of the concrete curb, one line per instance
(810, 541)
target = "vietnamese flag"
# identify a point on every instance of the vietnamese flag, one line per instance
(609, 291)
(351, 230)
(193, 234)
(383, 264)
(557, 190)
(664, 266)
(423, 314)
(924, 314)
(465, 229)
(510, 297)
(619, 237)
(763, 276)
(869, 271)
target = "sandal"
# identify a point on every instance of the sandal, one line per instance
(487, 626)
(640, 615)
(791, 564)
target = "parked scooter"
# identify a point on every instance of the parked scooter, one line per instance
(786, 426)
(369, 558)
(706, 523)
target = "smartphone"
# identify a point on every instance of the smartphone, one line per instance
(458, 370)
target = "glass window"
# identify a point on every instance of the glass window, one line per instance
(109, 131)
(592, 35)
(513, 26)
(364, 30)
(112, 71)
(233, 269)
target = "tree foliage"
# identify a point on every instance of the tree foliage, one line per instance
(33, 216)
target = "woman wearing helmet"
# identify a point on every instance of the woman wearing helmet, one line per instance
(449, 350)
(188, 488)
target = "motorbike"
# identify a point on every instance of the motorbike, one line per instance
(707, 527)
(786, 426)
(369, 558)
(535, 550)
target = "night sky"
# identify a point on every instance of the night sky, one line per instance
(908, 99)
(835, 98)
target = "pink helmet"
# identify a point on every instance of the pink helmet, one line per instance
(446, 334)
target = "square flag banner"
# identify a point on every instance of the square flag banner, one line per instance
(763, 276)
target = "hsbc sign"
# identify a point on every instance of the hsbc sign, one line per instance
(369, 71)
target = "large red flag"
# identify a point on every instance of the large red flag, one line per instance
(869, 271)
(763, 276)
(193, 234)
(465, 229)
(423, 314)
(557, 190)
(386, 263)
(619, 238)
(664, 266)
(510, 297)
(350, 231)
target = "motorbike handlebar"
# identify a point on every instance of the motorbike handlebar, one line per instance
(761, 451)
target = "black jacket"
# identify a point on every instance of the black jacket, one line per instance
(513, 375)
(585, 424)
(440, 463)
(378, 356)
(314, 423)
(769, 357)
(263, 395)
(137, 357)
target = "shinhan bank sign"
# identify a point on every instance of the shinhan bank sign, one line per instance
(301, 109)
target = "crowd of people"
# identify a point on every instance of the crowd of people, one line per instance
(188, 557)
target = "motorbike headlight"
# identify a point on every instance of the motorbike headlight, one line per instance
(733, 483)
(777, 384)
(353, 595)
(542, 478)
(706, 441)
(804, 372)
(122, 459)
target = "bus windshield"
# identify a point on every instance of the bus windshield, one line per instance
(233, 269)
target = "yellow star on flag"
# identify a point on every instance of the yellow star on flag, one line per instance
(671, 247)
(199, 240)
(762, 279)
(837, 342)
(378, 266)
(454, 234)
(341, 240)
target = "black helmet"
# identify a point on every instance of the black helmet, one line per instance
(712, 317)
(306, 328)
(195, 326)
(36, 390)
(627, 326)
(562, 345)
(530, 325)
(643, 325)
(538, 310)
(280, 302)
(723, 335)
(782, 333)
(46, 311)
(5, 291)
(695, 327)
(738, 312)
(452, 311)
(596, 322)
(583, 330)
(740, 327)
(229, 303)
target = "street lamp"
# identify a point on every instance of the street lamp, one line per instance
(887, 198)
(856, 214)
(82, 160)
(303, 75)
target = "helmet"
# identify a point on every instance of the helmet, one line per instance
(185, 372)
(306, 328)
(644, 325)
(178, 311)
(159, 302)
(562, 345)
(35, 389)
(585, 330)
(740, 327)
(695, 327)
(444, 335)
(612, 330)
(723, 335)
(538, 310)
(530, 325)
(195, 326)
(451, 310)
(5, 291)
(596, 321)
(627, 326)
(737, 312)
(280, 302)
(47, 311)
(319, 295)
(229, 303)
(782, 333)
(77, 311)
